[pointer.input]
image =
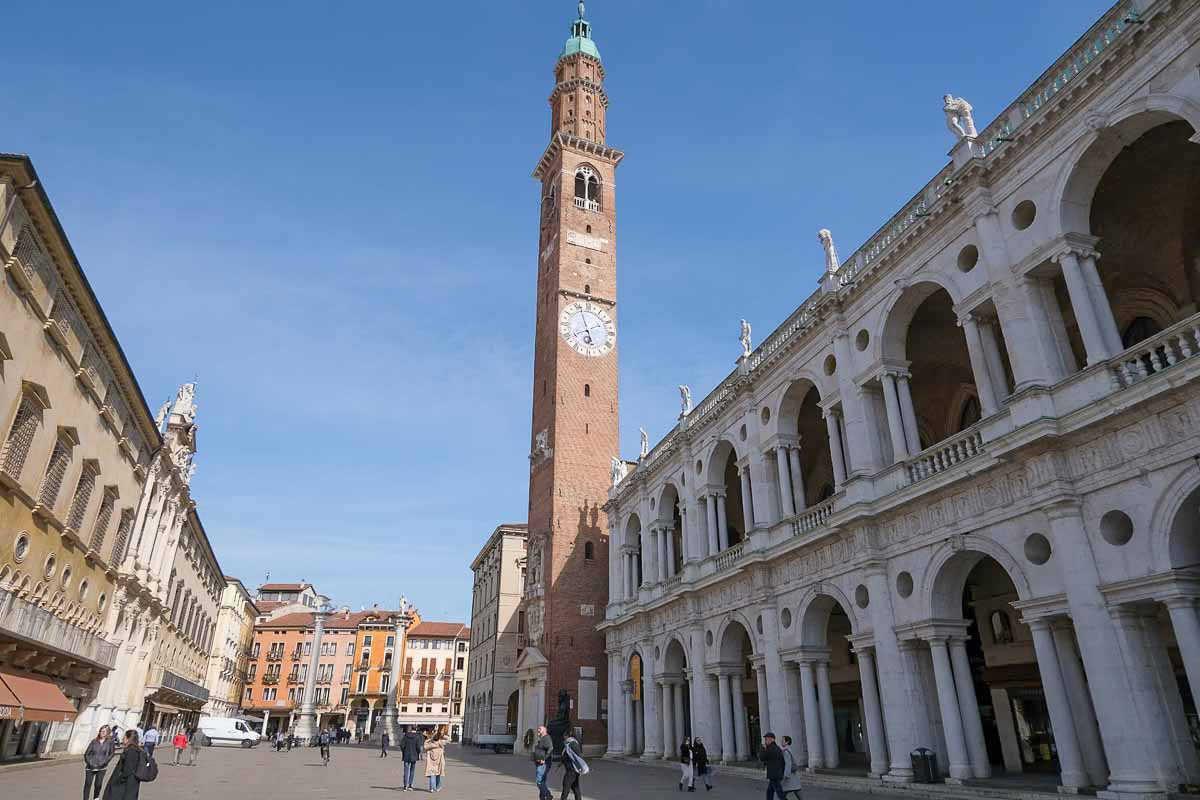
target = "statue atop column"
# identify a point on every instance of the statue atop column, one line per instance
(958, 117)
(744, 338)
(645, 446)
(825, 237)
(618, 470)
(685, 399)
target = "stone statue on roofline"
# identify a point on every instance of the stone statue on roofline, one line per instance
(161, 417)
(618, 470)
(958, 117)
(645, 447)
(825, 237)
(744, 338)
(185, 403)
(685, 398)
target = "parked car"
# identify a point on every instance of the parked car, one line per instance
(229, 731)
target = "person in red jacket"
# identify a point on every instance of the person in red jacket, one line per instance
(180, 744)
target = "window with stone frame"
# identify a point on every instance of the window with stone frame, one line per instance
(103, 519)
(20, 436)
(56, 470)
(122, 542)
(83, 494)
(587, 188)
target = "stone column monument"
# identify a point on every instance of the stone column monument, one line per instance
(391, 706)
(306, 726)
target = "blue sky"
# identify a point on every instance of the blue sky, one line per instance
(325, 212)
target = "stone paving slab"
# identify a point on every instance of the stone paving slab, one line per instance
(357, 773)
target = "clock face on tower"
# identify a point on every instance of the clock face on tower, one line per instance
(587, 328)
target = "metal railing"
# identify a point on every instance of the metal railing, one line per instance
(26, 621)
(166, 679)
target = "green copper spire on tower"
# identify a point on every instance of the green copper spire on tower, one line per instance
(581, 38)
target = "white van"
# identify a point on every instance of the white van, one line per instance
(229, 731)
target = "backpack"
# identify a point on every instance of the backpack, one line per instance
(147, 768)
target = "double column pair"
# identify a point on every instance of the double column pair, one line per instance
(791, 479)
(673, 720)
(718, 522)
(735, 735)
(959, 707)
(1097, 326)
(808, 679)
(901, 414)
(635, 731)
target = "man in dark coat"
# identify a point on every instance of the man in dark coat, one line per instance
(772, 758)
(411, 746)
(543, 749)
(571, 767)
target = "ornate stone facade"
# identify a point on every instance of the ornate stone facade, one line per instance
(951, 502)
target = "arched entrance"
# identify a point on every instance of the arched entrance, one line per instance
(510, 714)
(674, 706)
(830, 688)
(634, 693)
(737, 694)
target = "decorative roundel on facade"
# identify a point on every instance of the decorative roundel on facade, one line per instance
(862, 598)
(742, 433)
(862, 340)
(51, 567)
(84, 588)
(1037, 548)
(1116, 527)
(21, 548)
(699, 466)
(66, 577)
(785, 617)
(708, 638)
(904, 584)
(102, 603)
(830, 364)
(968, 257)
(758, 625)
(765, 415)
(1024, 214)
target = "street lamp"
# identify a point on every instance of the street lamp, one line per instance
(307, 727)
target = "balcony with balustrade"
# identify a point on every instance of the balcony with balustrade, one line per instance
(31, 628)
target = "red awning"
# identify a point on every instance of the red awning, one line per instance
(10, 707)
(37, 699)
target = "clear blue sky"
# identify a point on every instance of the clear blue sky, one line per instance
(325, 211)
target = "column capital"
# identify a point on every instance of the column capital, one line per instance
(1179, 601)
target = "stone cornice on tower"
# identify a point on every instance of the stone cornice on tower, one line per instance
(580, 83)
(560, 141)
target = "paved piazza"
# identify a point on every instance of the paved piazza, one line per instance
(357, 773)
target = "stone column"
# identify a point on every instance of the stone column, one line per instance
(1007, 728)
(740, 731)
(991, 356)
(391, 709)
(1086, 727)
(705, 718)
(522, 721)
(669, 533)
(833, 428)
(968, 706)
(630, 743)
(776, 694)
(786, 500)
(1094, 340)
(684, 549)
(1187, 635)
(714, 545)
(828, 728)
(908, 413)
(895, 423)
(663, 570)
(306, 726)
(680, 719)
(862, 452)
(1074, 775)
(795, 712)
(747, 501)
(956, 746)
(668, 720)
(979, 369)
(1103, 308)
(722, 523)
(728, 737)
(627, 573)
(764, 705)
(812, 717)
(797, 482)
(651, 712)
(876, 739)
(639, 727)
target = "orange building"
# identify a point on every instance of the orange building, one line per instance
(372, 671)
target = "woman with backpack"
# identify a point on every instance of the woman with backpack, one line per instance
(134, 768)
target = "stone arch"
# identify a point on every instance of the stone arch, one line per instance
(899, 310)
(1090, 157)
(664, 502)
(1174, 543)
(633, 531)
(674, 654)
(714, 472)
(948, 568)
(814, 612)
(728, 638)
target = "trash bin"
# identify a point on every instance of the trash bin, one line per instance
(924, 765)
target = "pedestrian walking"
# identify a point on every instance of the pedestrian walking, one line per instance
(543, 750)
(435, 761)
(772, 758)
(700, 763)
(791, 771)
(291, 739)
(95, 761)
(687, 776)
(124, 783)
(279, 741)
(195, 742)
(385, 740)
(323, 740)
(180, 744)
(412, 744)
(150, 741)
(573, 767)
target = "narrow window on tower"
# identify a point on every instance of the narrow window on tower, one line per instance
(543, 388)
(587, 287)
(587, 390)
(589, 551)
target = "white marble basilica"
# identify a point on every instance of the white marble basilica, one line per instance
(953, 501)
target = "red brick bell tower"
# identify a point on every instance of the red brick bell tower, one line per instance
(574, 434)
